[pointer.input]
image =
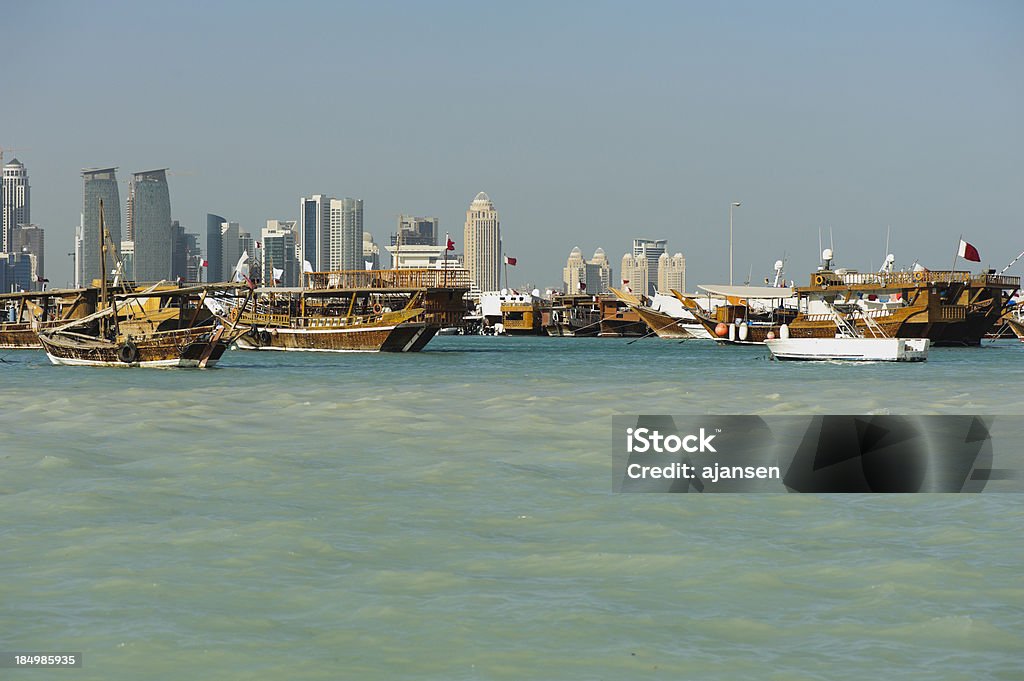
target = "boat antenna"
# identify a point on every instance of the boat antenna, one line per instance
(819, 240)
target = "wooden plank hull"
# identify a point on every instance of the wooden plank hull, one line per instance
(15, 336)
(664, 325)
(404, 337)
(180, 348)
(571, 330)
(1017, 327)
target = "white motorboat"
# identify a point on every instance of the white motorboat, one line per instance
(849, 343)
(850, 349)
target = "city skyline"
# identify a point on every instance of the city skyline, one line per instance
(849, 117)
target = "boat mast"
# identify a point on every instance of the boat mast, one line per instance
(103, 272)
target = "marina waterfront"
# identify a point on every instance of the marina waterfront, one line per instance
(448, 514)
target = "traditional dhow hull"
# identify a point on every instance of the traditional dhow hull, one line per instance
(180, 348)
(572, 330)
(20, 336)
(404, 337)
(1017, 327)
(666, 326)
(950, 308)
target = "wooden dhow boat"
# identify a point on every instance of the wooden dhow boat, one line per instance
(157, 327)
(619, 321)
(354, 311)
(950, 308)
(750, 316)
(574, 316)
(28, 313)
(662, 324)
(154, 328)
(1015, 320)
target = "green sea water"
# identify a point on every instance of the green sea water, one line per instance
(449, 515)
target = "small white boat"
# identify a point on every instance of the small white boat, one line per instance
(850, 349)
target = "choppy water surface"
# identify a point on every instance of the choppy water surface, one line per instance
(448, 515)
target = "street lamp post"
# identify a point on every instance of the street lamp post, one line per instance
(734, 204)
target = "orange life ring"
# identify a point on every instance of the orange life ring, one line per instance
(919, 275)
(377, 309)
(819, 280)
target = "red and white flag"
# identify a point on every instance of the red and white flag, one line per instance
(968, 252)
(205, 263)
(510, 261)
(451, 244)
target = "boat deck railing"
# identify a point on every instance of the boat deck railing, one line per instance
(907, 278)
(388, 279)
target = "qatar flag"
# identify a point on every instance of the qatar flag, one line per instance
(968, 252)
(451, 244)
(510, 261)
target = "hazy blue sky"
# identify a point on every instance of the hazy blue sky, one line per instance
(588, 123)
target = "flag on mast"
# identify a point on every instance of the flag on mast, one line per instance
(510, 261)
(451, 244)
(244, 258)
(968, 252)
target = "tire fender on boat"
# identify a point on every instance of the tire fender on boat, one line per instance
(264, 337)
(128, 353)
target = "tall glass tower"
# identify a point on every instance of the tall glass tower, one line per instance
(100, 183)
(214, 248)
(151, 222)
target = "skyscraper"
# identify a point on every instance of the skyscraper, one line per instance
(482, 244)
(671, 273)
(586, 276)
(193, 257)
(604, 270)
(214, 248)
(180, 243)
(314, 230)
(651, 249)
(278, 239)
(346, 240)
(415, 231)
(371, 252)
(230, 248)
(151, 225)
(30, 239)
(100, 184)
(14, 197)
(635, 274)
